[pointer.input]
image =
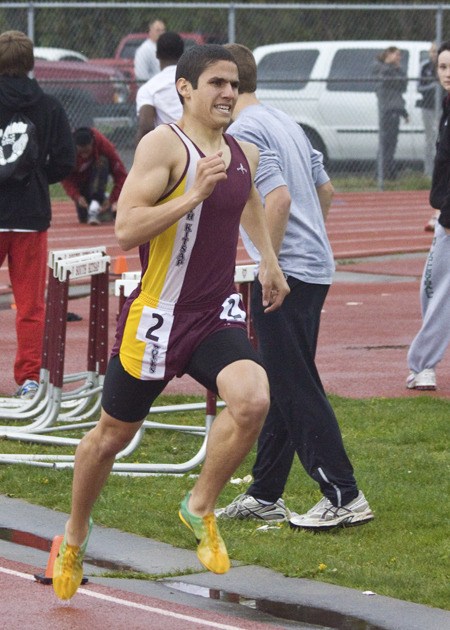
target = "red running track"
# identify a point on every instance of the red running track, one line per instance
(28, 604)
(359, 224)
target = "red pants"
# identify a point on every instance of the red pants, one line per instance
(27, 264)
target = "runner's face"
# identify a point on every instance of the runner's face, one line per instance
(216, 93)
(443, 69)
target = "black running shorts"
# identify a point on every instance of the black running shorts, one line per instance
(129, 399)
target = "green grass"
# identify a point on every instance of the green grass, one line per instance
(57, 193)
(407, 180)
(398, 449)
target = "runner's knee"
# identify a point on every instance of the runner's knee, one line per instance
(247, 398)
(110, 436)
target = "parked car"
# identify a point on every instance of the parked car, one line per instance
(130, 43)
(58, 54)
(329, 88)
(89, 93)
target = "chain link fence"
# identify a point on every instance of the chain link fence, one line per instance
(315, 61)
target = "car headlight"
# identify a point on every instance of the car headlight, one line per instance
(121, 90)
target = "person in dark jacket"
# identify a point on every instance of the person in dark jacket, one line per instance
(97, 159)
(428, 87)
(391, 84)
(25, 209)
(431, 342)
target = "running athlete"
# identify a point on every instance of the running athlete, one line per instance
(188, 190)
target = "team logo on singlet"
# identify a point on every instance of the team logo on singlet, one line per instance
(241, 168)
(184, 241)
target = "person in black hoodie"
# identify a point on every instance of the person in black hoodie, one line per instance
(25, 209)
(431, 342)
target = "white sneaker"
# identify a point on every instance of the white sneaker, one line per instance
(93, 212)
(324, 515)
(245, 506)
(27, 390)
(424, 380)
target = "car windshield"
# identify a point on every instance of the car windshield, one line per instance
(130, 47)
(286, 70)
(352, 70)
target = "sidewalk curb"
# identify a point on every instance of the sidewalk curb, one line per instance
(297, 599)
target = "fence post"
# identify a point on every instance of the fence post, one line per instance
(30, 21)
(439, 21)
(231, 24)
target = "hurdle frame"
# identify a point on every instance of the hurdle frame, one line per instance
(244, 275)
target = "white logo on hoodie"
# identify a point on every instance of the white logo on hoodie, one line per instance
(16, 137)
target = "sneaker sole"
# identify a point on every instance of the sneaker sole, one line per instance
(421, 388)
(248, 517)
(354, 522)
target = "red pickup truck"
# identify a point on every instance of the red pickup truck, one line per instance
(87, 90)
(123, 59)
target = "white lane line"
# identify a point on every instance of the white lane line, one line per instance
(16, 573)
(129, 604)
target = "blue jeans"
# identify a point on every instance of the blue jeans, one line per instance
(301, 419)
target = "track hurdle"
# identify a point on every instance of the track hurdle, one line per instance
(63, 266)
(244, 276)
(23, 409)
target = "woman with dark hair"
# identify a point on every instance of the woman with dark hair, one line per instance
(431, 342)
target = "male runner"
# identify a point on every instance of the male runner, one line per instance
(189, 188)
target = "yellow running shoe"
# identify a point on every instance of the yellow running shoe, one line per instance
(211, 550)
(68, 567)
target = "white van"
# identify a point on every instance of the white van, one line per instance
(329, 88)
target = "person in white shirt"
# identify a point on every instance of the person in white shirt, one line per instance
(145, 62)
(157, 100)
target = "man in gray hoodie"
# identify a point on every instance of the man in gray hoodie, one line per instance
(297, 194)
